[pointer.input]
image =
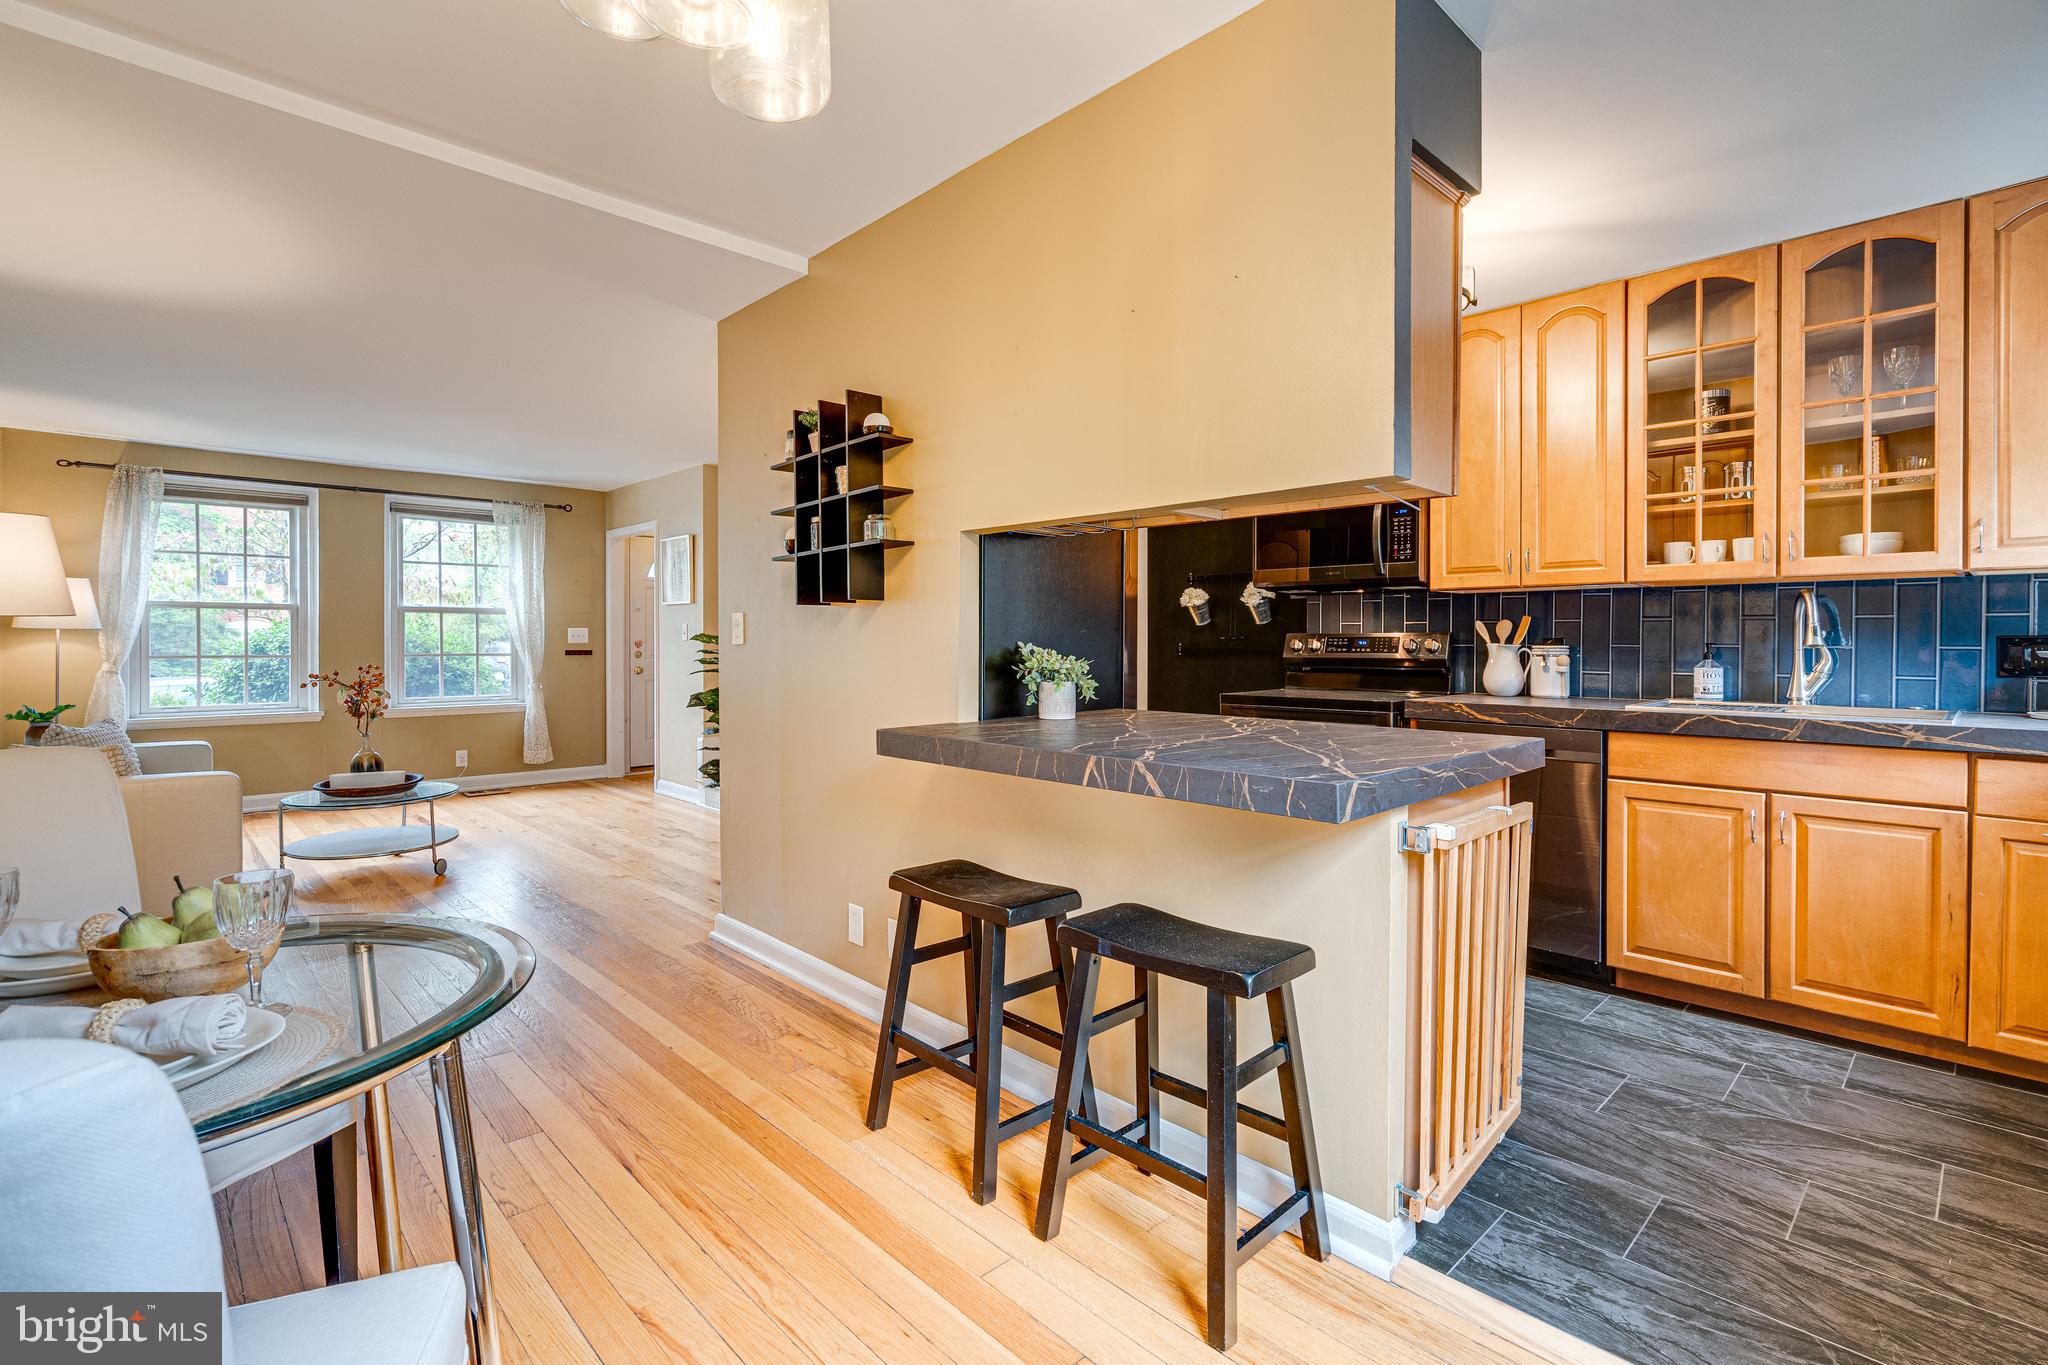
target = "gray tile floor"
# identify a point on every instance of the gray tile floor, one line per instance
(1687, 1188)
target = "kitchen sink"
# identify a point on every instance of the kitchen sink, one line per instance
(1926, 715)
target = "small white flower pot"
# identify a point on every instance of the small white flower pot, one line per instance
(1200, 613)
(1056, 701)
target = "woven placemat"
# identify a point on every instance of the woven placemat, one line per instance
(310, 1037)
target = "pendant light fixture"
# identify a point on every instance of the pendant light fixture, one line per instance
(613, 18)
(783, 71)
(713, 24)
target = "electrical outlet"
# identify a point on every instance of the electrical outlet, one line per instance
(856, 925)
(579, 635)
(462, 758)
(738, 633)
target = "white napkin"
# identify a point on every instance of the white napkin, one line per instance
(34, 937)
(199, 1024)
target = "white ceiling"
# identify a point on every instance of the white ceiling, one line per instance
(1623, 136)
(461, 235)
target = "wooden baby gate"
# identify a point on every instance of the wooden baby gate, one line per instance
(1471, 940)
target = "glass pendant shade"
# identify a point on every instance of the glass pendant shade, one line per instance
(613, 18)
(783, 72)
(700, 23)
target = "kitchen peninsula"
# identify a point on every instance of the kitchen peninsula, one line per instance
(1282, 828)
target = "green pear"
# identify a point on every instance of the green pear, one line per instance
(187, 906)
(200, 926)
(147, 931)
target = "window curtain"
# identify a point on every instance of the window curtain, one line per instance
(127, 539)
(523, 537)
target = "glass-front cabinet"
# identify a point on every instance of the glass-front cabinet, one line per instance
(1871, 474)
(1703, 420)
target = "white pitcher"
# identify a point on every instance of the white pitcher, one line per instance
(1507, 669)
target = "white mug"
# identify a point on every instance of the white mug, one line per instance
(1713, 551)
(1678, 552)
(1745, 549)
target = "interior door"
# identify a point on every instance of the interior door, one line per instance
(1574, 438)
(2009, 937)
(1475, 538)
(1685, 884)
(2008, 355)
(639, 646)
(1869, 911)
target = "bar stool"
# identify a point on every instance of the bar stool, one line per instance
(1230, 967)
(990, 904)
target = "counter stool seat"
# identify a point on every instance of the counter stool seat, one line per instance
(1229, 967)
(989, 904)
(985, 893)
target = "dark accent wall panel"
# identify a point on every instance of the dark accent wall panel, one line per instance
(1063, 592)
(1189, 666)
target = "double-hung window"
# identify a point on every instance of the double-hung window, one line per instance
(448, 628)
(229, 631)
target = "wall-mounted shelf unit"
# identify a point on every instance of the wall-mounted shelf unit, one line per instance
(834, 565)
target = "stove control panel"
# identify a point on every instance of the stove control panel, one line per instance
(1389, 647)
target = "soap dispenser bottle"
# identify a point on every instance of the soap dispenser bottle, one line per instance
(1709, 678)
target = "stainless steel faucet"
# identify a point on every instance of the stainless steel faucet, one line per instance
(1809, 634)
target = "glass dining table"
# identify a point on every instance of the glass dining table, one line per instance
(413, 987)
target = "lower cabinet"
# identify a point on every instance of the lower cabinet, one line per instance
(1869, 911)
(2009, 937)
(1685, 884)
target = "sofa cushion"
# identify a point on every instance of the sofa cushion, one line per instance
(107, 736)
(64, 824)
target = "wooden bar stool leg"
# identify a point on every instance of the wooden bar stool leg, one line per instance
(1301, 1135)
(988, 1061)
(893, 1002)
(1065, 971)
(1052, 1189)
(970, 966)
(1147, 1098)
(1222, 1172)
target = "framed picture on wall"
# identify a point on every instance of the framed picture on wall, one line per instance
(678, 571)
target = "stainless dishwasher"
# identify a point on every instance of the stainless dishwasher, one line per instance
(1568, 883)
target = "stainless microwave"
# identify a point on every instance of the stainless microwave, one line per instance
(1341, 547)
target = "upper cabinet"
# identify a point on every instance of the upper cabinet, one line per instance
(2008, 521)
(1870, 471)
(1703, 420)
(1573, 438)
(1475, 538)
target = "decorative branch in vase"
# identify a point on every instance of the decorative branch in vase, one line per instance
(365, 700)
(1260, 600)
(1196, 600)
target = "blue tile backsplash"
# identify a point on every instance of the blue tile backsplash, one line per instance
(1906, 642)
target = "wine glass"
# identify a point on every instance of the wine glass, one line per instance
(1845, 372)
(250, 908)
(10, 895)
(1902, 365)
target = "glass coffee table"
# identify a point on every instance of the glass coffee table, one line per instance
(378, 841)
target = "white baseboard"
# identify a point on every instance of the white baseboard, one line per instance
(706, 797)
(537, 777)
(1365, 1240)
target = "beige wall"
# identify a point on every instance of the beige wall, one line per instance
(682, 503)
(1178, 292)
(285, 757)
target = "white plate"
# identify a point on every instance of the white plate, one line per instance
(40, 964)
(44, 985)
(263, 1027)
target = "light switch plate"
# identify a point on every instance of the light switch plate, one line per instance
(579, 635)
(739, 628)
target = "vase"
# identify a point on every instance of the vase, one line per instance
(1055, 701)
(1262, 611)
(367, 760)
(1507, 669)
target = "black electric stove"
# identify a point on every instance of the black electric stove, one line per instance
(1351, 679)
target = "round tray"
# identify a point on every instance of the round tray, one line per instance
(404, 784)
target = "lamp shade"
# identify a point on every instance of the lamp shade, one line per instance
(85, 612)
(31, 571)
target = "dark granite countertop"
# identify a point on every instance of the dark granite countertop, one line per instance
(1323, 694)
(1973, 732)
(1308, 770)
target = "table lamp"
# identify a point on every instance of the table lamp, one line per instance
(84, 615)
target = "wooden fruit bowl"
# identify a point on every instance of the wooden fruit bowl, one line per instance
(211, 966)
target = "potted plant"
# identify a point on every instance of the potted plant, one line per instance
(808, 420)
(38, 721)
(1053, 679)
(707, 702)
(1260, 600)
(366, 700)
(1196, 600)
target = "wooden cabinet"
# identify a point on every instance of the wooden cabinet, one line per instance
(1435, 233)
(2009, 937)
(1703, 420)
(1475, 538)
(1574, 439)
(1870, 463)
(1685, 884)
(2008, 421)
(1868, 911)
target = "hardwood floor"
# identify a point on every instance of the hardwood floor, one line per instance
(1687, 1188)
(673, 1145)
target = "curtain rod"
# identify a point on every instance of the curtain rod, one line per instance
(304, 483)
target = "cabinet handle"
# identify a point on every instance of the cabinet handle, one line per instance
(1752, 826)
(1781, 828)
(1527, 557)
(1978, 548)
(1791, 546)
(1765, 546)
